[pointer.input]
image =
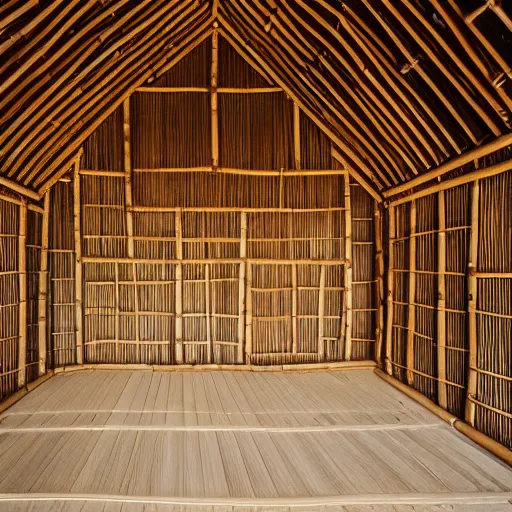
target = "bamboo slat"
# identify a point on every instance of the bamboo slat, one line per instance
(411, 313)
(472, 304)
(43, 287)
(441, 302)
(22, 308)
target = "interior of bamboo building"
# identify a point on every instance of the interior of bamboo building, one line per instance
(255, 255)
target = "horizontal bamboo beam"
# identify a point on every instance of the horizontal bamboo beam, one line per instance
(341, 365)
(224, 90)
(20, 189)
(255, 261)
(484, 172)
(246, 172)
(455, 163)
(230, 209)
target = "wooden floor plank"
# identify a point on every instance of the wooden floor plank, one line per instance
(287, 458)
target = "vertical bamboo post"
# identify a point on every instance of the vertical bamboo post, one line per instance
(117, 320)
(441, 303)
(296, 135)
(129, 225)
(472, 293)
(295, 337)
(78, 263)
(321, 307)
(43, 285)
(391, 286)
(379, 264)
(248, 314)
(411, 310)
(208, 315)
(128, 177)
(348, 269)
(179, 289)
(22, 308)
(214, 96)
(241, 287)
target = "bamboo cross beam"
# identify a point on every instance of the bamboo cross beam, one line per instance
(42, 302)
(348, 270)
(441, 303)
(22, 283)
(411, 311)
(78, 263)
(472, 303)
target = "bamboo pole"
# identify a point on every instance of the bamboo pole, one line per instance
(295, 337)
(22, 283)
(248, 314)
(128, 176)
(241, 288)
(478, 437)
(441, 303)
(213, 96)
(379, 331)
(472, 302)
(321, 306)
(348, 270)
(484, 172)
(411, 312)
(43, 286)
(209, 349)
(179, 289)
(229, 170)
(296, 135)
(220, 90)
(20, 189)
(117, 318)
(455, 163)
(78, 263)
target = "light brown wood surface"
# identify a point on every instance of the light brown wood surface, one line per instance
(228, 440)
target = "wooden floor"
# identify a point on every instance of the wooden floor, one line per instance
(237, 441)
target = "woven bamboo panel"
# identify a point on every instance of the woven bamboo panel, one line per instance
(9, 298)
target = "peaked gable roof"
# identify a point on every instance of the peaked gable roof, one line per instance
(400, 87)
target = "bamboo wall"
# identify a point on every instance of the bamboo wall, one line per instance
(20, 269)
(449, 326)
(197, 249)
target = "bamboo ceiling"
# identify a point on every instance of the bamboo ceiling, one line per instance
(400, 87)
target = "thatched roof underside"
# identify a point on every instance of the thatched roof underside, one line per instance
(400, 87)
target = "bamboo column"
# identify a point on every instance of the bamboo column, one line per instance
(117, 319)
(248, 314)
(379, 256)
(22, 308)
(348, 270)
(179, 290)
(472, 297)
(129, 223)
(321, 307)
(441, 303)
(43, 285)
(295, 337)
(411, 310)
(391, 284)
(241, 287)
(214, 96)
(78, 263)
(207, 283)
(296, 135)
